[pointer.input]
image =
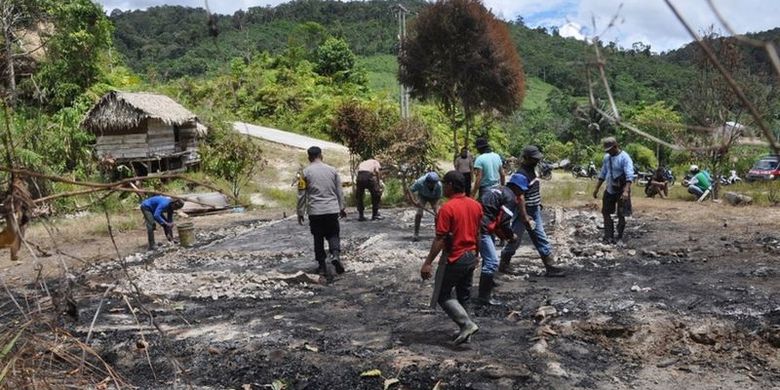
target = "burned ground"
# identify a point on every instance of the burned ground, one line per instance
(676, 307)
(686, 303)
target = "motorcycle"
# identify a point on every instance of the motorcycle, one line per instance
(545, 170)
(644, 177)
(732, 179)
(580, 171)
(668, 175)
(723, 180)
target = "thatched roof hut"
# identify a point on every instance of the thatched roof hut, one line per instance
(144, 128)
(118, 111)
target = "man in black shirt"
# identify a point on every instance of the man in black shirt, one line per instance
(533, 210)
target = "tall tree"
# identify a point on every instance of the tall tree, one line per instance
(460, 55)
(711, 104)
(15, 17)
(81, 35)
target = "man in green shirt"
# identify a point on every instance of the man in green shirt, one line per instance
(699, 183)
(488, 169)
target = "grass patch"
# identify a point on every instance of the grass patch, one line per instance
(763, 193)
(382, 71)
(287, 197)
(91, 225)
(536, 93)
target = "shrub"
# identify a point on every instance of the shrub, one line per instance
(233, 157)
(642, 156)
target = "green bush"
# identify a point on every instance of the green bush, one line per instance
(557, 150)
(643, 157)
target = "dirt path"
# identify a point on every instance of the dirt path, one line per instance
(287, 138)
(689, 303)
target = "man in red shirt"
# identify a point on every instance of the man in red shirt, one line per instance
(457, 234)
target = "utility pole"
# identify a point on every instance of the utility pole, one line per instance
(403, 98)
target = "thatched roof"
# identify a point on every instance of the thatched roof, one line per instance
(121, 111)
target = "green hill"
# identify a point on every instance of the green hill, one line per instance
(170, 42)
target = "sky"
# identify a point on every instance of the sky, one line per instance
(647, 21)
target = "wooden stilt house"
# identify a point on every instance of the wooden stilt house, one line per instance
(147, 132)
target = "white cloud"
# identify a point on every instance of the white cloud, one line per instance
(572, 30)
(654, 23)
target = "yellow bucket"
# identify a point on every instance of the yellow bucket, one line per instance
(186, 234)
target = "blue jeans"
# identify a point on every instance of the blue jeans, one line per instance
(487, 249)
(538, 236)
(695, 191)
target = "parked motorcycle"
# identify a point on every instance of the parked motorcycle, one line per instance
(544, 170)
(732, 179)
(723, 180)
(580, 171)
(643, 177)
(668, 175)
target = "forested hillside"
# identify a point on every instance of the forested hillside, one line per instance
(296, 65)
(167, 43)
(171, 41)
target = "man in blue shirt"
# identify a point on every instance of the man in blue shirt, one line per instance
(429, 190)
(617, 170)
(153, 209)
(488, 168)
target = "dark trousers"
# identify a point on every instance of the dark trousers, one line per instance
(325, 227)
(467, 176)
(367, 181)
(612, 203)
(148, 220)
(458, 276)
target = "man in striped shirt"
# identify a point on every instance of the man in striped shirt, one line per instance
(531, 212)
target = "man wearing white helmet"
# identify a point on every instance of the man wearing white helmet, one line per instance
(699, 183)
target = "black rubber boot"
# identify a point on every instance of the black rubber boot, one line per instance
(621, 227)
(504, 265)
(150, 238)
(375, 211)
(485, 297)
(609, 230)
(458, 314)
(325, 271)
(552, 270)
(361, 218)
(335, 259)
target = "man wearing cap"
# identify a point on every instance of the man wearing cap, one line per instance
(617, 169)
(321, 197)
(699, 183)
(428, 190)
(498, 207)
(488, 169)
(369, 178)
(457, 232)
(532, 211)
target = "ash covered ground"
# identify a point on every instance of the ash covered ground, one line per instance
(687, 303)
